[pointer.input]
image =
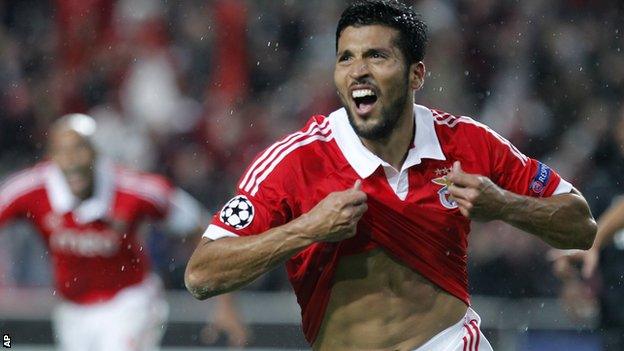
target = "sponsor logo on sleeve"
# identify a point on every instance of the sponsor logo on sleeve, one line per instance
(238, 212)
(542, 176)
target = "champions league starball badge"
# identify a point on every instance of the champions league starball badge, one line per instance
(238, 212)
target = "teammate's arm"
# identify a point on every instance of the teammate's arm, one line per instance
(564, 221)
(609, 224)
(227, 264)
(186, 217)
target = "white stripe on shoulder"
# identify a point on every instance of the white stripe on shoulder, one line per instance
(320, 136)
(273, 152)
(442, 117)
(452, 121)
(20, 184)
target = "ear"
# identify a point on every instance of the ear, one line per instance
(417, 73)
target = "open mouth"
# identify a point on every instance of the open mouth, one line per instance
(364, 99)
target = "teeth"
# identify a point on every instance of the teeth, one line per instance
(362, 93)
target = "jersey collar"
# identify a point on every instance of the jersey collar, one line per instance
(63, 200)
(364, 162)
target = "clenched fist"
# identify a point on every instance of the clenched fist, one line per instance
(477, 196)
(335, 218)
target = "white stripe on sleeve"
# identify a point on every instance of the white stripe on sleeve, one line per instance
(215, 232)
(563, 188)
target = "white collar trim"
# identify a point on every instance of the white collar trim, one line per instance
(364, 162)
(63, 200)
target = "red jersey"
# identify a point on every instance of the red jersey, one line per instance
(93, 244)
(410, 215)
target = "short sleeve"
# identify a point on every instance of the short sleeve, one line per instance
(269, 192)
(514, 171)
(261, 203)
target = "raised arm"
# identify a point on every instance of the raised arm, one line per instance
(609, 223)
(564, 221)
(227, 264)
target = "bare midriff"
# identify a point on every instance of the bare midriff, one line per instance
(377, 303)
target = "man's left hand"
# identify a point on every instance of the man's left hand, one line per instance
(477, 196)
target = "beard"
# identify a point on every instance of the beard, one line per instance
(390, 116)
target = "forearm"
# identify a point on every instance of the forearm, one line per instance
(563, 221)
(227, 264)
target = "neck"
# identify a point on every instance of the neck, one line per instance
(394, 148)
(86, 193)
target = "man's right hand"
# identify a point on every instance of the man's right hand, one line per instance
(335, 218)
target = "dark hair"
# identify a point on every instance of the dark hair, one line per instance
(392, 13)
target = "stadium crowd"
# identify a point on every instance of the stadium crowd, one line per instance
(194, 89)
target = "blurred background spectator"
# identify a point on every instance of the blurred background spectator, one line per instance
(194, 89)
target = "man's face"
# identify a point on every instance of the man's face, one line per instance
(75, 157)
(373, 79)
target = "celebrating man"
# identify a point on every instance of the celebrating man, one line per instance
(370, 207)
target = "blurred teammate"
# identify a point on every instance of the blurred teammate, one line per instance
(609, 224)
(88, 211)
(370, 207)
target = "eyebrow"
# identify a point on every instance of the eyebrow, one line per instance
(343, 52)
(368, 52)
(377, 50)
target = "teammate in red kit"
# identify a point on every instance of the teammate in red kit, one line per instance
(370, 207)
(88, 211)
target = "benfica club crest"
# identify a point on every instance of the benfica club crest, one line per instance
(443, 193)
